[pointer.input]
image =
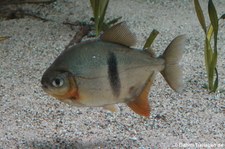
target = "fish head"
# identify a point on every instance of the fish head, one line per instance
(60, 84)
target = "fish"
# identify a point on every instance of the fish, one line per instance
(106, 71)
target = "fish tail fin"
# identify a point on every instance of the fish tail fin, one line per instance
(172, 71)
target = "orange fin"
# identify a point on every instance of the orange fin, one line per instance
(141, 105)
(120, 34)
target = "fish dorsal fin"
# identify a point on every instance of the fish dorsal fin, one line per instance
(120, 34)
(140, 105)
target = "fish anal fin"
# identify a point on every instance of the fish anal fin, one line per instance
(111, 107)
(120, 34)
(141, 105)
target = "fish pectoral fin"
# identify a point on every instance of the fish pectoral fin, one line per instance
(120, 34)
(141, 105)
(112, 108)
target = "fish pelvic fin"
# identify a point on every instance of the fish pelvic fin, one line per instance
(172, 71)
(140, 104)
(111, 107)
(119, 34)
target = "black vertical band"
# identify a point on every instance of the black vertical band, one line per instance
(113, 74)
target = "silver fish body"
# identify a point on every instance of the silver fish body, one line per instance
(107, 71)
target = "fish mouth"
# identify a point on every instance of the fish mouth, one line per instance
(52, 92)
(44, 86)
(47, 89)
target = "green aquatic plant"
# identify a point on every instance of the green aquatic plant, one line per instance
(210, 51)
(150, 39)
(99, 9)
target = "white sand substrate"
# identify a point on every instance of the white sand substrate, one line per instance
(29, 118)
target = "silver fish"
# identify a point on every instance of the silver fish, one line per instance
(104, 72)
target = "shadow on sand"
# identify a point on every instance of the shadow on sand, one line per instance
(60, 143)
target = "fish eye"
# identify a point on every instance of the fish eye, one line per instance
(58, 82)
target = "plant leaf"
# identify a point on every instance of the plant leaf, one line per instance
(213, 16)
(216, 80)
(210, 32)
(150, 39)
(214, 21)
(103, 6)
(99, 9)
(208, 55)
(4, 38)
(200, 15)
(223, 16)
(110, 23)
